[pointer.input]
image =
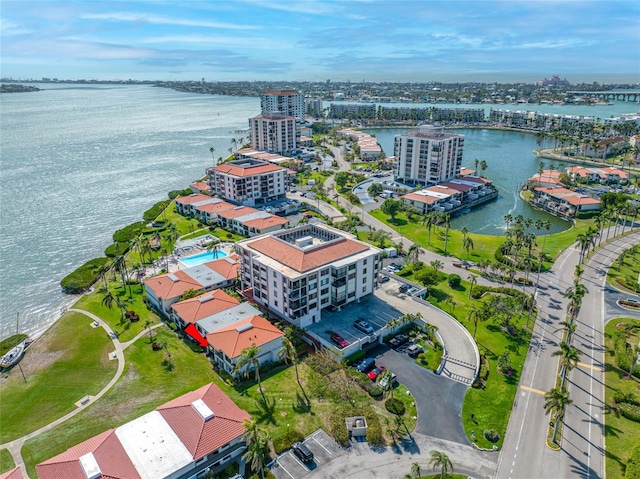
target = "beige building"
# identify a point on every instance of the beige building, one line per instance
(274, 132)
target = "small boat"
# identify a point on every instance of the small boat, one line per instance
(13, 356)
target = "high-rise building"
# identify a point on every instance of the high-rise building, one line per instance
(290, 102)
(427, 155)
(274, 132)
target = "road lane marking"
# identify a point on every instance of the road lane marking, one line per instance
(590, 366)
(533, 390)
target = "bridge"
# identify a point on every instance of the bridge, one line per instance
(625, 95)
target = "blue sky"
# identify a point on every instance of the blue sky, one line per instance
(372, 40)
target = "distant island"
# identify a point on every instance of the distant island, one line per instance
(17, 88)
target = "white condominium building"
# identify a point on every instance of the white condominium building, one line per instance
(291, 102)
(249, 182)
(274, 132)
(298, 272)
(427, 155)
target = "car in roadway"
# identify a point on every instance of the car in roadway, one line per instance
(366, 364)
(339, 340)
(363, 326)
(375, 372)
(399, 340)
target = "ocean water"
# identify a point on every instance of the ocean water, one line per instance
(79, 162)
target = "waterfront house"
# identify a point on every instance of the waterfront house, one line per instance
(226, 344)
(197, 433)
(186, 205)
(199, 307)
(598, 175)
(250, 222)
(563, 202)
(208, 212)
(200, 187)
(546, 178)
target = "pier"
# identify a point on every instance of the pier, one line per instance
(627, 95)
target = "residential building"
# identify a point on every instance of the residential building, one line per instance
(200, 187)
(314, 107)
(427, 155)
(452, 196)
(227, 344)
(247, 221)
(602, 175)
(563, 202)
(298, 272)
(274, 132)
(201, 431)
(290, 102)
(199, 307)
(164, 290)
(249, 182)
(186, 205)
(369, 148)
(546, 178)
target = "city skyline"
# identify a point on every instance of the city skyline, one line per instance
(370, 40)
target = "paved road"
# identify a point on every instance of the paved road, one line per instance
(525, 454)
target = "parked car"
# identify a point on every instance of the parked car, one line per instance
(384, 279)
(386, 380)
(399, 340)
(339, 340)
(366, 364)
(414, 350)
(375, 372)
(404, 288)
(363, 326)
(302, 452)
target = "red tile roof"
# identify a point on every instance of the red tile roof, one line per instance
(282, 92)
(108, 452)
(15, 473)
(165, 288)
(232, 340)
(192, 310)
(200, 185)
(264, 223)
(195, 198)
(301, 260)
(201, 437)
(237, 211)
(215, 207)
(235, 170)
(227, 266)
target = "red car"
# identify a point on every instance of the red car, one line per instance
(375, 372)
(339, 340)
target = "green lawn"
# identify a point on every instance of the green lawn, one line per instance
(484, 246)
(6, 461)
(67, 363)
(625, 276)
(621, 434)
(144, 385)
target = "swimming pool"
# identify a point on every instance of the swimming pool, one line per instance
(205, 257)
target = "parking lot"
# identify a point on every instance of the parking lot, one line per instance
(324, 449)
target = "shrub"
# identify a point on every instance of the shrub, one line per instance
(632, 470)
(155, 211)
(285, 441)
(126, 234)
(226, 378)
(394, 406)
(454, 280)
(374, 428)
(82, 278)
(176, 193)
(338, 427)
(116, 249)
(375, 391)
(491, 435)
(630, 411)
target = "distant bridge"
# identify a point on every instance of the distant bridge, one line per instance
(627, 95)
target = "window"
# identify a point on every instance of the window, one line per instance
(313, 305)
(352, 267)
(365, 261)
(275, 303)
(364, 289)
(324, 282)
(364, 271)
(324, 291)
(325, 301)
(324, 272)
(352, 295)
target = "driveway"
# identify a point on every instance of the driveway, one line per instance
(438, 398)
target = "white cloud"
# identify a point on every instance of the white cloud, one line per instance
(160, 20)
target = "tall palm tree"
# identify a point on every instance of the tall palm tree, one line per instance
(108, 300)
(475, 314)
(467, 244)
(415, 467)
(257, 446)
(250, 359)
(569, 357)
(446, 219)
(437, 264)
(473, 279)
(288, 353)
(440, 460)
(213, 150)
(413, 255)
(556, 401)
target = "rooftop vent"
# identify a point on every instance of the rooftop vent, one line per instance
(244, 327)
(304, 242)
(90, 466)
(205, 298)
(173, 277)
(205, 412)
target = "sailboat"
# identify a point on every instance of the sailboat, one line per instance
(13, 356)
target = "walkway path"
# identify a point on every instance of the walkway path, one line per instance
(15, 446)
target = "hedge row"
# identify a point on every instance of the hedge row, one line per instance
(624, 353)
(116, 249)
(156, 210)
(130, 232)
(82, 278)
(479, 290)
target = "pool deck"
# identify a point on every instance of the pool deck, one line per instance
(174, 260)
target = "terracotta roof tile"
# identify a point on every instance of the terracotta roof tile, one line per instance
(202, 437)
(195, 198)
(164, 287)
(300, 260)
(236, 212)
(264, 223)
(15, 473)
(232, 342)
(227, 267)
(235, 170)
(193, 309)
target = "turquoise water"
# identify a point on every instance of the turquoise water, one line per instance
(201, 258)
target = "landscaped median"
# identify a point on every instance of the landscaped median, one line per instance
(6, 461)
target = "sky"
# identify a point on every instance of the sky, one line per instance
(319, 40)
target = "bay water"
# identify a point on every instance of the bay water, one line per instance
(80, 161)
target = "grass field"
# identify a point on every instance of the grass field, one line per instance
(68, 362)
(621, 434)
(625, 275)
(6, 461)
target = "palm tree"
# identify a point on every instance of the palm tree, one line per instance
(483, 166)
(447, 224)
(569, 357)
(473, 279)
(440, 460)
(475, 314)
(467, 244)
(250, 359)
(108, 300)
(429, 220)
(413, 255)
(556, 400)
(437, 264)
(257, 446)
(415, 467)
(288, 353)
